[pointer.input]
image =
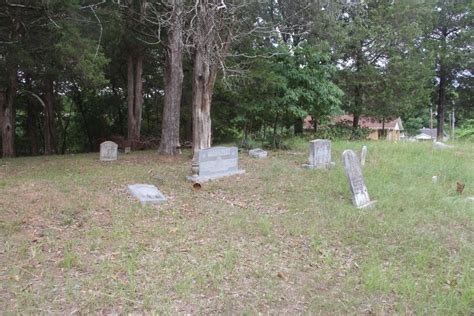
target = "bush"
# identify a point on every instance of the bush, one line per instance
(341, 131)
(466, 131)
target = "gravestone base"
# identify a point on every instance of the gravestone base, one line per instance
(371, 204)
(322, 166)
(201, 179)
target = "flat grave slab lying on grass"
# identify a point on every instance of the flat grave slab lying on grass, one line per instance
(258, 153)
(147, 193)
(214, 163)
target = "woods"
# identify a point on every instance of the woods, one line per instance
(158, 74)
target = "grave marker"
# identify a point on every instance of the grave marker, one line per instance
(363, 155)
(360, 196)
(215, 162)
(258, 153)
(147, 193)
(108, 151)
(319, 154)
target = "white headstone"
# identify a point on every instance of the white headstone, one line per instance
(108, 151)
(434, 179)
(363, 155)
(360, 196)
(258, 153)
(147, 193)
(319, 154)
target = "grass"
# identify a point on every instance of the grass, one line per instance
(279, 239)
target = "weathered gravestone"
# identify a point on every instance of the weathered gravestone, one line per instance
(360, 196)
(215, 162)
(147, 193)
(319, 154)
(440, 145)
(363, 155)
(108, 151)
(258, 153)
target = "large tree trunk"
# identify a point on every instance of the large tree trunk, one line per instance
(49, 130)
(134, 98)
(169, 143)
(7, 115)
(203, 85)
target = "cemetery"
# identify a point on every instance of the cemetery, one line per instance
(277, 238)
(218, 157)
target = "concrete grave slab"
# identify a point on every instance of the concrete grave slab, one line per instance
(147, 193)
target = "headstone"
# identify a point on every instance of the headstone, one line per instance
(108, 151)
(363, 154)
(440, 145)
(434, 179)
(127, 150)
(215, 162)
(258, 153)
(147, 193)
(360, 196)
(470, 198)
(319, 154)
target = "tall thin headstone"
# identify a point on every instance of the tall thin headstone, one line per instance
(360, 196)
(108, 151)
(319, 154)
(363, 155)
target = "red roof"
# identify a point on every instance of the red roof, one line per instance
(368, 122)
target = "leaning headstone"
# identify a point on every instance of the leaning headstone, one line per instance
(440, 145)
(108, 151)
(363, 155)
(258, 153)
(147, 193)
(360, 196)
(215, 162)
(319, 154)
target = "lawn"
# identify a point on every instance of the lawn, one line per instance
(279, 239)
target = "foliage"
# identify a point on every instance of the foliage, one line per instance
(466, 131)
(341, 131)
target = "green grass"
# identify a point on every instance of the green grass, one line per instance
(279, 239)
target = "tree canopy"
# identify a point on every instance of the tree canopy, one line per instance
(148, 73)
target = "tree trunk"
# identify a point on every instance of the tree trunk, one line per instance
(8, 114)
(203, 85)
(49, 130)
(31, 128)
(134, 98)
(441, 102)
(298, 126)
(169, 143)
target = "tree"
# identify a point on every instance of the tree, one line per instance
(134, 15)
(450, 38)
(170, 143)
(212, 28)
(380, 51)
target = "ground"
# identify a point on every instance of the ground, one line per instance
(279, 239)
